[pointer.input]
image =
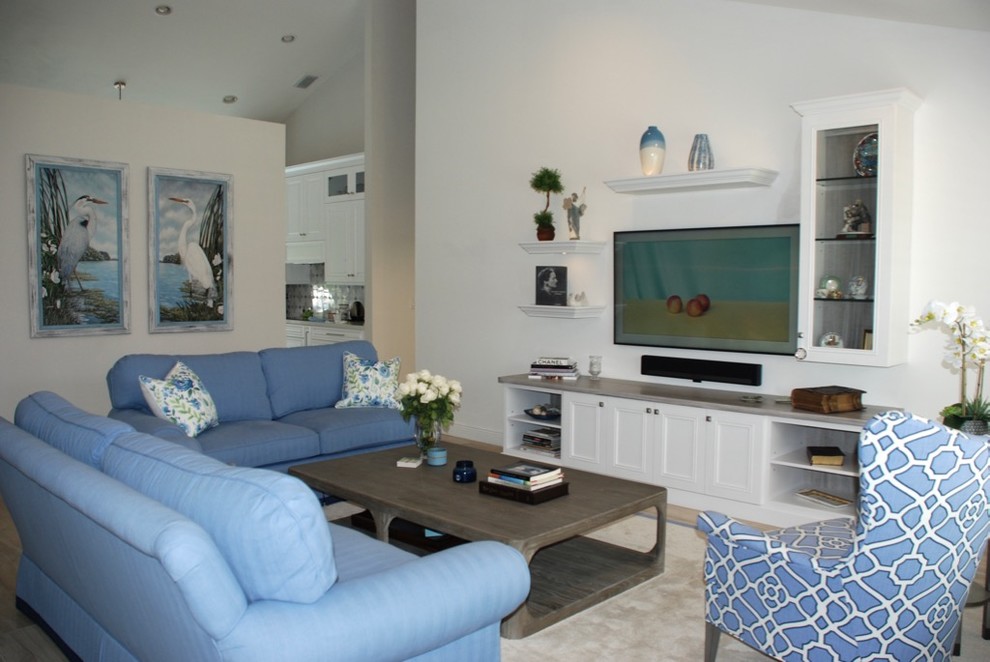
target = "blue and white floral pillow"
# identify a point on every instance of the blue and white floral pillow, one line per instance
(369, 383)
(181, 398)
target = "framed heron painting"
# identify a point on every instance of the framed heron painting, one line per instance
(189, 257)
(77, 246)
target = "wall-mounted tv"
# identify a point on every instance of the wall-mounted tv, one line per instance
(722, 288)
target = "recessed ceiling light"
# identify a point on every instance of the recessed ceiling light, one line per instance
(230, 98)
(288, 38)
(163, 10)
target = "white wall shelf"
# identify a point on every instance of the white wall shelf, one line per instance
(701, 180)
(563, 247)
(570, 312)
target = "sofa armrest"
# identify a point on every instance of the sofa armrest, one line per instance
(399, 613)
(156, 427)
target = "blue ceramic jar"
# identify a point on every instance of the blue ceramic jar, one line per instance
(464, 472)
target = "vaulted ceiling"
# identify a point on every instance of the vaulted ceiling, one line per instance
(206, 50)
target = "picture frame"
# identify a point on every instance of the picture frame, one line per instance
(868, 339)
(190, 263)
(551, 286)
(77, 233)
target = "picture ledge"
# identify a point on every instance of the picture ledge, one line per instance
(570, 312)
(700, 180)
(563, 247)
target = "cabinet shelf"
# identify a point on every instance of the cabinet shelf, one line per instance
(702, 180)
(577, 246)
(799, 460)
(569, 312)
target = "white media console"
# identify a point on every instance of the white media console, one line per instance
(740, 454)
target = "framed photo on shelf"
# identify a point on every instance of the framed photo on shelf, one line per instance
(77, 247)
(189, 251)
(551, 286)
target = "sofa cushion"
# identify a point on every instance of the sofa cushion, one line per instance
(234, 379)
(181, 398)
(61, 424)
(269, 526)
(354, 428)
(301, 378)
(259, 443)
(369, 383)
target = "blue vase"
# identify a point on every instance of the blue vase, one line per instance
(701, 154)
(652, 151)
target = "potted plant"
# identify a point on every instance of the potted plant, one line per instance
(968, 348)
(546, 181)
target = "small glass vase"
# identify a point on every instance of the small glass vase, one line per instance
(428, 435)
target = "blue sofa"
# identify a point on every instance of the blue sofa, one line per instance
(276, 406)
(136, 548)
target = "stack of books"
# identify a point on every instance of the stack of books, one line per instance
(544, 441)
(525, 482)
(553, 367)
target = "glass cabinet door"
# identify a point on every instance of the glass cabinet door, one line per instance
(855, 228)
(845, 241)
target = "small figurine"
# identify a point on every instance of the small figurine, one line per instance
(857, 219)
(575, 210)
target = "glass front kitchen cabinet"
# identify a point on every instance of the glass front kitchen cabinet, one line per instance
(856, 177)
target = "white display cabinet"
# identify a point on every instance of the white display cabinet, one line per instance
(856, 190)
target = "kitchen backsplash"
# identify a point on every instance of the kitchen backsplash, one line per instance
(320, 299)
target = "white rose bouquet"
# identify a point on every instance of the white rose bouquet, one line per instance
(431, 400)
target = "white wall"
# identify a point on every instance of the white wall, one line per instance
(504, 88)
(331, 122)
(56, 124)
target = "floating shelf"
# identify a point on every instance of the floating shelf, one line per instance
(563, 247)
(701, 180)
(570, 312)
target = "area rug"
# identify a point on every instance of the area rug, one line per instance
(660, 620)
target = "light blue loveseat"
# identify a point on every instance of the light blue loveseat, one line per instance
(276, 406)
(135, 548)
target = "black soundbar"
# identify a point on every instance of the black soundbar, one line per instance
(700, 370)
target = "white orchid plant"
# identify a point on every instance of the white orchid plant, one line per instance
(431, 399)
(968, 348)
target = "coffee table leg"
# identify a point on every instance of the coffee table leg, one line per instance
(383, 520)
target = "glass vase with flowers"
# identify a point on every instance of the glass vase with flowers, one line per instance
(967, 348)
(431, 400)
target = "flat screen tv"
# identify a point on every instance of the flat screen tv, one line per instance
(729, 289)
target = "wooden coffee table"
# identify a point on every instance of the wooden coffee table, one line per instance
(569, 571)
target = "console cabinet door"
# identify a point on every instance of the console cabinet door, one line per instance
(736, 456)
(583, 422)
(631, 440)
(681, 442)
(612, 436)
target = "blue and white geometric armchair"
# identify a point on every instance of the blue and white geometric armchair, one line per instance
(889, 585)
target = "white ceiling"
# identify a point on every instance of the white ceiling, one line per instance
(203, 51)
(207, 49)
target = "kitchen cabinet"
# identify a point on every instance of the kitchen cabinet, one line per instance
(739, 454)
(305, 334)
(856, 195)
(345, 242)
(344, 180)
(304, 207)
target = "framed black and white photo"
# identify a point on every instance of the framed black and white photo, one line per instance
(189, 255)
(551, 286)
(77, 247)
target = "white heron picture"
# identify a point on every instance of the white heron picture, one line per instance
(189, 244)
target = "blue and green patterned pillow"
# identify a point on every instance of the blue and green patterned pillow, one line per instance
(181, 398)
(369, 383)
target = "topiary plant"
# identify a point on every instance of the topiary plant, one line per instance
(546, 180)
